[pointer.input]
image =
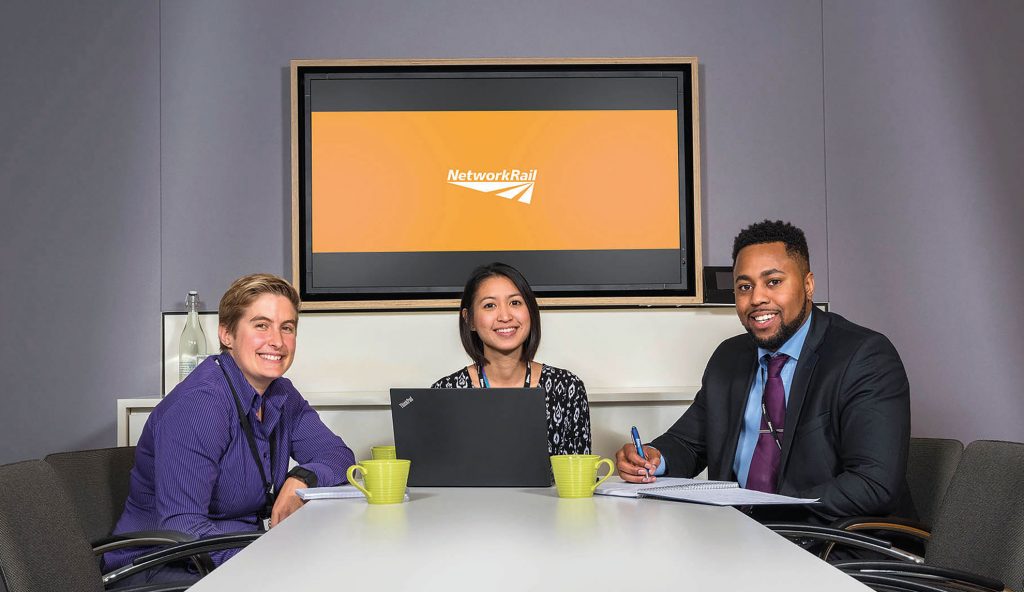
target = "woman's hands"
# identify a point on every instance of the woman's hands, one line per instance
(287, 501)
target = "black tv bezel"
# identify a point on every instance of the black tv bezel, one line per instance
(422, 297)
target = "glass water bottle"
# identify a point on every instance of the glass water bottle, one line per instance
(192, 346)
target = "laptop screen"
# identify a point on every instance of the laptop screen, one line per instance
(472, 437)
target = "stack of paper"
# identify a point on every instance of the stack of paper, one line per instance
(718, 493)
(339, 492)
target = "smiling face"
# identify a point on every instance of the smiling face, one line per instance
(500, 316)
(774, 293)
(263, 342)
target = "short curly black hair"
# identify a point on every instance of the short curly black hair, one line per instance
(777, 231)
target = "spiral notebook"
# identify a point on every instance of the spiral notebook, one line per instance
(698, 491)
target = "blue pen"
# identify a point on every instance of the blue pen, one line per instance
(639, 447)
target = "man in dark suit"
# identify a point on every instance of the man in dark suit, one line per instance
(806, 404)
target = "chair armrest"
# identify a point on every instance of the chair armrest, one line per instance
(850, 539)
(140, 538)
(887, 582)
(908, 535)
(205, 545)
(165, 587)
(910, 528)
(181, 551)
(928, 572)
(811, 530)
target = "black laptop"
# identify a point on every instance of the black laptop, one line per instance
(472, 437)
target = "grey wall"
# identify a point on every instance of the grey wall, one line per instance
(225, 140)
(925, 150)
(144, 152)
(80, 228)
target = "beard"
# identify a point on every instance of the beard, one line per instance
(787, 330)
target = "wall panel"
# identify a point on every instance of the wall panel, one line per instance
(924, 146)
(80, 229)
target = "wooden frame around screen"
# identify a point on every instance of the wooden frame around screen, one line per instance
(695, 259)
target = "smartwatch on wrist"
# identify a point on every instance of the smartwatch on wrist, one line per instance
(305, 475)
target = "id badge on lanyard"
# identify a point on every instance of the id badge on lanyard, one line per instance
(269, 496)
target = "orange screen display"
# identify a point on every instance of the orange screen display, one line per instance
(412, 181)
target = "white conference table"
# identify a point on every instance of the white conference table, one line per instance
(521, 539)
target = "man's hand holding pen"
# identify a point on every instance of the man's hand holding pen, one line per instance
(636, 463)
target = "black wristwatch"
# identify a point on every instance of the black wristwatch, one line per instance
(305, 475)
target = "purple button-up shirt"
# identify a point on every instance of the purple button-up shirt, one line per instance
(194, 471)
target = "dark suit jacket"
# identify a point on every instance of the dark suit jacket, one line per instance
(847, 422)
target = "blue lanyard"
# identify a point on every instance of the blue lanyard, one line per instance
(487, 384)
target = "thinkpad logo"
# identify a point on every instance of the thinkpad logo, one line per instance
(508, 183)
(405, 403)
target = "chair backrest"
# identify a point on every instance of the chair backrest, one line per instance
(97, 483)
(930, 466)
(42, 545)
(979, 526)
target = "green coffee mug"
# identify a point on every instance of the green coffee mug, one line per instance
(384, 480)
(383, 452)
(575, 474)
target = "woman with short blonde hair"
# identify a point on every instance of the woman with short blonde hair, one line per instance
(213, 456)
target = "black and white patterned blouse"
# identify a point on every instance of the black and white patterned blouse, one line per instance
(567, 408)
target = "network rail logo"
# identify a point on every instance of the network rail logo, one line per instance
(508, 183)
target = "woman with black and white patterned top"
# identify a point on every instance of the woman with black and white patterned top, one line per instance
(500, 329)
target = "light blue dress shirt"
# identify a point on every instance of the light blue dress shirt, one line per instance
(752, 415)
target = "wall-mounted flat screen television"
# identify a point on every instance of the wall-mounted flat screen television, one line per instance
(582, 173)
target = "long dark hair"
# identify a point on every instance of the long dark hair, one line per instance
(470, 340)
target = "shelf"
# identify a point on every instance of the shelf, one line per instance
(599, 395)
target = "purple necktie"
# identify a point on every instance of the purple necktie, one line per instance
(764, 465)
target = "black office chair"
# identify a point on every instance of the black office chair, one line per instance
(930, 466)
(96, 481)
(43, 546)
(977, 541)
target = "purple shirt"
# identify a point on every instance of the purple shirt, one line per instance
(194, 471)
